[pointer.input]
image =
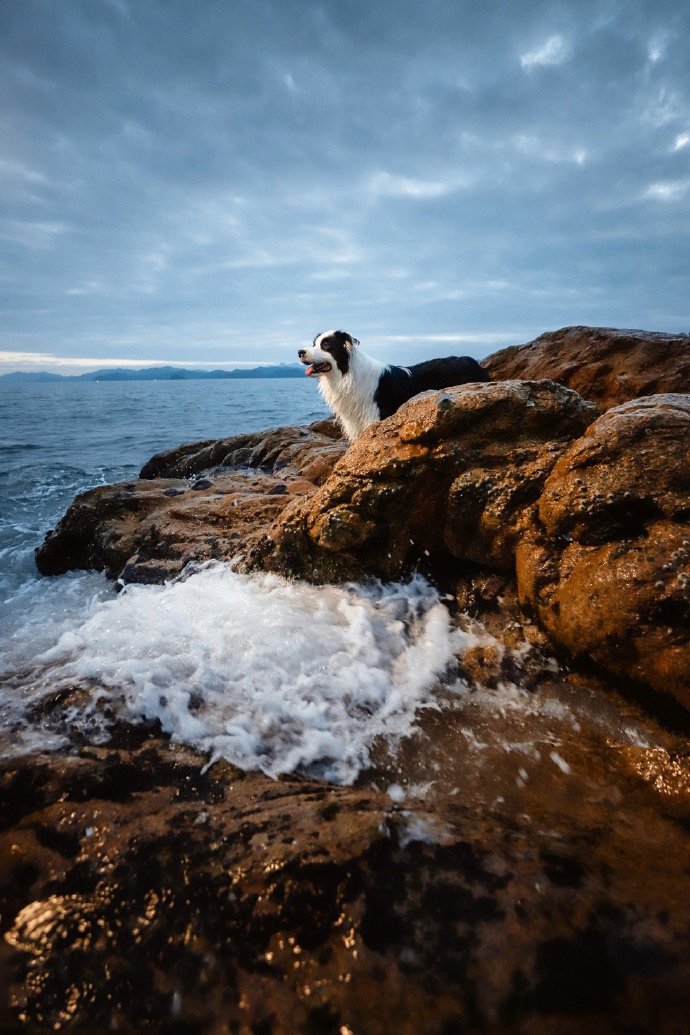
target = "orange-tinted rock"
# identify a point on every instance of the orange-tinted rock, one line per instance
(446, 480)
(606, 564)
(605, 365)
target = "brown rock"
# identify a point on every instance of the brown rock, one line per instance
(606, 564)
(140, 891)
(446, 479)
(602, 364)
(310, 452)
(148, 531)
(203, 501)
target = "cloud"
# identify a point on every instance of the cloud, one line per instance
(534, 147)
(662, 106)
(203, 186)
(32, 233)
(669, 191)
(489, 338)
(384, 184)
(554, 51)
(656, 50)
(9, 169)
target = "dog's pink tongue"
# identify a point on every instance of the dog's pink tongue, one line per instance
(309, 371)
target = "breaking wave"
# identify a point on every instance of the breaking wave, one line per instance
(265, 673)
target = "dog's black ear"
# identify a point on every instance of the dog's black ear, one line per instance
(350, 342)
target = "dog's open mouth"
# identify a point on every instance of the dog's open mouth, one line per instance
(317, 368)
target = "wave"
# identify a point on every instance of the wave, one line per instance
(20, 447)
(268, 674)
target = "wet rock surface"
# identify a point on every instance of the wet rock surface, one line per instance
(524, 891)
(607, 365)
(298, 452)
(606, 564)
(446, 479)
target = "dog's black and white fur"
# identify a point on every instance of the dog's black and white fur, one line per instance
(360, 390)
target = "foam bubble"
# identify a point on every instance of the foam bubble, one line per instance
(268, 674)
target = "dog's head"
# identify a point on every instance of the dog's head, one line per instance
(330, 353)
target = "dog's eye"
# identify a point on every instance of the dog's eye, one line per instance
(325, 346)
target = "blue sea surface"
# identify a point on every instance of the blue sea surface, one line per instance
(58, 439)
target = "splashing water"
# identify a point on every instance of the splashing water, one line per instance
(267, 674)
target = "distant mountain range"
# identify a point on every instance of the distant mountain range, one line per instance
(157, 374)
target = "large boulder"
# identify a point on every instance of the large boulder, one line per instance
(443, 483)
(606, 562)
(605, 365)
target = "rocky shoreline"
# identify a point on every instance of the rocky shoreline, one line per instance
(553, 505)
(588, 516)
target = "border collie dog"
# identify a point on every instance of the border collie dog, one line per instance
(360, 390)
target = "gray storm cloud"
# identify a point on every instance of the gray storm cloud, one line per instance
(193, 181)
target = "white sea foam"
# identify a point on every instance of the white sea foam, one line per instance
(266, 673)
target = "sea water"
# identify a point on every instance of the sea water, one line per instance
(268, 674)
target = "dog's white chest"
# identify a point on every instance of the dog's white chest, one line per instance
(352, 397)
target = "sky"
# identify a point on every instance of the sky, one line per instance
(214, 182)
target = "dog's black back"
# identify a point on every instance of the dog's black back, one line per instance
(398, 384)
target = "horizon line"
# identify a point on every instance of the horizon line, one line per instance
(150, 366)
(28, 362)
